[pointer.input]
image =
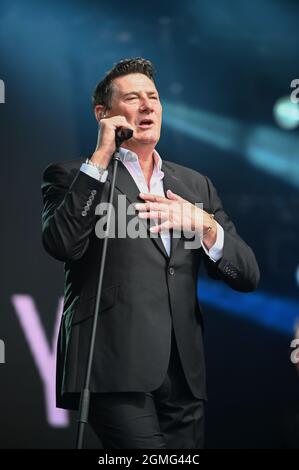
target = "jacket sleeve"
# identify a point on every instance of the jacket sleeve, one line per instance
(238, 266)
(69, 201)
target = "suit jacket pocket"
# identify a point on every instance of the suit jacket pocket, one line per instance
(85, 308)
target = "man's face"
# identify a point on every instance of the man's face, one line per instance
(136, 98)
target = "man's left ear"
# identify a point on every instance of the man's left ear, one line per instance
(100, 112)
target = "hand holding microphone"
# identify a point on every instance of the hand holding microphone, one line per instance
(122, 134)
(113, 131)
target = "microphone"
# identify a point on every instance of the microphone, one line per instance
(122, 134)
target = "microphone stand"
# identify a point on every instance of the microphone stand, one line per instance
(120, 135)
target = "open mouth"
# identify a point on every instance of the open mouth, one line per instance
(146, 123)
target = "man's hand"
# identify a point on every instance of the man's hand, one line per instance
(176, 213)
(106, 139)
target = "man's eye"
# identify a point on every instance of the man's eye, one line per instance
(154, 97)
(130, 98)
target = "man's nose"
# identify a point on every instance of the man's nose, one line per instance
(146, 104)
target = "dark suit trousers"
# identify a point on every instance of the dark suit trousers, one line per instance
(169, 417)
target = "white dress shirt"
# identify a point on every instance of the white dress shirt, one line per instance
(131, 162)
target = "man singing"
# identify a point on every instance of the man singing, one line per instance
(148, 375)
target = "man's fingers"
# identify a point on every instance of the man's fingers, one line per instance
(153, 215)
(159, 228)
(155, 206)
(173, 196)
(153, 198)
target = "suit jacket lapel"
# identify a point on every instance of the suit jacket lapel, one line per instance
(126, 185)
(173, 180)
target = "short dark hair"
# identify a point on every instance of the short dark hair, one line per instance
(103, 91)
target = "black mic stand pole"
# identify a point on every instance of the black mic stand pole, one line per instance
(120, 136)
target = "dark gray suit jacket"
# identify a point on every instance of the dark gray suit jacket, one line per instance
(145, 291)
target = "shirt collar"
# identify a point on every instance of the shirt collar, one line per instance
(129, 156)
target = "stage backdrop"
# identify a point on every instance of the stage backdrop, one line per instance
(224, 72)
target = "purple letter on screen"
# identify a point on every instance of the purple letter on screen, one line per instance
(43, 354)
